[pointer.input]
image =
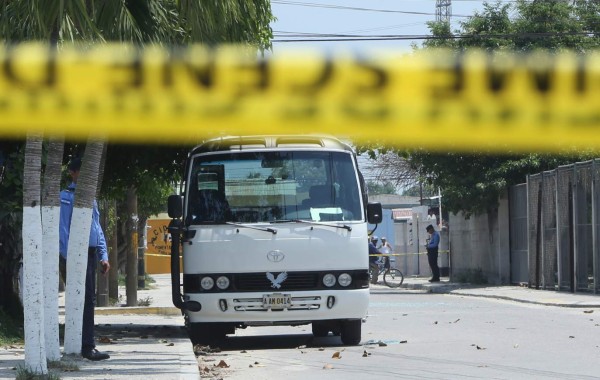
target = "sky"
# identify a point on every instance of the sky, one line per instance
(323, 19)
(363, 18)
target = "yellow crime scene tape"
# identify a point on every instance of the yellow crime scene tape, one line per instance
(437, 100)
(407, 253)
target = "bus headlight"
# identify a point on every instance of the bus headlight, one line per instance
(345, 279)
(207, 283)
(329, 280)
(222, 282)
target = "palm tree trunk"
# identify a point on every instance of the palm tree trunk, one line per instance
(33, 303)
(50, 223)
(132, 239)
(77, 249)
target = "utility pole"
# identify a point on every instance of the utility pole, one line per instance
(443, 10)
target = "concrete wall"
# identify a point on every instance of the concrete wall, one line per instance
(480, 245)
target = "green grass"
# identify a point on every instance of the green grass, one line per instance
(25, 374)
(11, 331)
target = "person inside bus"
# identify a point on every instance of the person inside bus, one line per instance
(373, 267)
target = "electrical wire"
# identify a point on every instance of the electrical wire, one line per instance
(351, 38)
(342, 7)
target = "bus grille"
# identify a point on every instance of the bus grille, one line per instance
(260, 282)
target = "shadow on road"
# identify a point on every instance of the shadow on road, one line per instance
(279, 341)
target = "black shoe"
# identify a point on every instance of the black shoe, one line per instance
(434, 280)
(95, 355)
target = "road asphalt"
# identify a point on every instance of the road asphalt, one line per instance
(149, 342)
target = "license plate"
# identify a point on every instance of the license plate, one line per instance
(277, 301)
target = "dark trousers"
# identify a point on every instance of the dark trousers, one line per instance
(87, 334)
(432, 257)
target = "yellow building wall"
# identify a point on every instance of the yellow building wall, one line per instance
(158, 247)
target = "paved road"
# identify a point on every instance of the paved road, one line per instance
(415, 335)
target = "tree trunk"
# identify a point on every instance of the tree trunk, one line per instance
(142, 244)
(77, 249)
(50, 224)
(132, 220)
(113, 258)
(33, 291)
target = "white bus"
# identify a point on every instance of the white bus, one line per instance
(272, 231)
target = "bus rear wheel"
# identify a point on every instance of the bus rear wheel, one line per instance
(320, 329)
(351, 332)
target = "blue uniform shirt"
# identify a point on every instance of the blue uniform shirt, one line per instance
(373, 251)
(66, 212)
(435, 240)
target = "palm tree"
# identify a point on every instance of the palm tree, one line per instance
(35, 352)
(50, 223)
(77, 250)
(155, 21)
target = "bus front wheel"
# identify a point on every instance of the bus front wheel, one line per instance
(206, 333)
(351, 332)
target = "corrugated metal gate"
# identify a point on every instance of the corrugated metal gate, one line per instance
(518, 234)
(562, 229)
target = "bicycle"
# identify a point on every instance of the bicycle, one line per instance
(392, 277)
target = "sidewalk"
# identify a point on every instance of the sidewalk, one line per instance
(150, 343)
(143, 342)
(510, 293)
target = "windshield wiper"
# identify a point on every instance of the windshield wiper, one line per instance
(271, 230)
(344, 226)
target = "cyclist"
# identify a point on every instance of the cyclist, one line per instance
(374, 269)
(385, 246)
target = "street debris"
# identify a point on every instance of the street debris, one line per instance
(205, 350)
(106, 340)
(327, 366)
(336, 355)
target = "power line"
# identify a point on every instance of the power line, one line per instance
(352, 38)
(328, 6)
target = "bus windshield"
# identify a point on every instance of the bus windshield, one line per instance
(255, 187)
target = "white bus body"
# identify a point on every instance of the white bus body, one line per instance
(273, 231)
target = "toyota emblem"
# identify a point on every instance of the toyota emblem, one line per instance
(275, 256)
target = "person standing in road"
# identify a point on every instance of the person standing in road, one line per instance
(97, 252)
(432, 253)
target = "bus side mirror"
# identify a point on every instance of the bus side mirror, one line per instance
(175, 206)
(374, 213)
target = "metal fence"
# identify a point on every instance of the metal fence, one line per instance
(563, 228)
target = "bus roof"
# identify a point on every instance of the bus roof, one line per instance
(244, 143)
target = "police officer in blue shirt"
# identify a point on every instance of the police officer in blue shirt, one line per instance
(432, 253)
(373, 267)
(97, 252)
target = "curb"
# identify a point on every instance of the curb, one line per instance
(461, 290)
(136, 310)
